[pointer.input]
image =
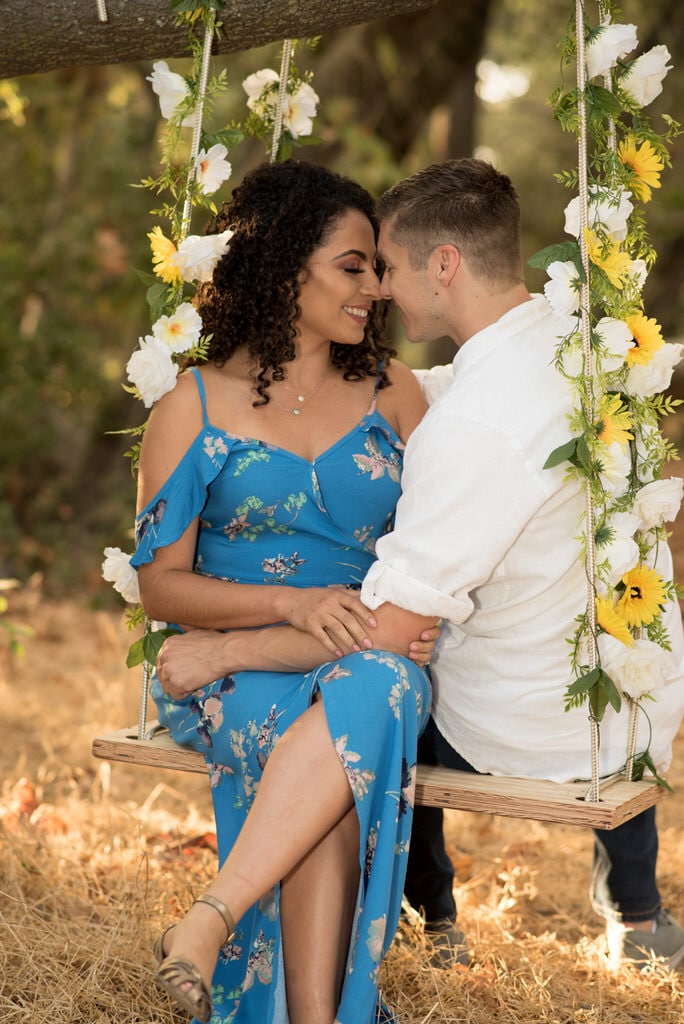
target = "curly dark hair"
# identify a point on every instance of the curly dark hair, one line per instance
(280, 214)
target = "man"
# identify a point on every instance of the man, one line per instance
(487, 539)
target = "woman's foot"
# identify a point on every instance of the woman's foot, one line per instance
(188, 952)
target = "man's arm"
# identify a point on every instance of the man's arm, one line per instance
(189, 661)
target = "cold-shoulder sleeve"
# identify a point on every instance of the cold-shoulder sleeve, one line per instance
(182, 497)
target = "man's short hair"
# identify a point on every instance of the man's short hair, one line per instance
(466, 203)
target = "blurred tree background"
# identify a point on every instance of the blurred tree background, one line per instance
(457, 79)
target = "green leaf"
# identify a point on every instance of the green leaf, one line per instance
(644, 760)
(584, 683)
(583, 456)
(561, 252)
(308, 140)
(135, 654)
(230, 137)
(183, 6)
(564, 453)
(158, 298)
(153, 641)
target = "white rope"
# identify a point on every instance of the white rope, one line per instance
(197, 128)
(590, 553)
(101, 10)
(282, 93)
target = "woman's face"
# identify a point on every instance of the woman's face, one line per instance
(339, 284)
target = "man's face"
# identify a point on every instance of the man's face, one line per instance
(409, 289)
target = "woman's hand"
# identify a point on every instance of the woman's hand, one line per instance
(421, 650)
(189, 661)
(335, 616)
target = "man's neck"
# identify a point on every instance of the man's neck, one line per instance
(485, 308)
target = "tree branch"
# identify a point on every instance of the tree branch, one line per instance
(42, 36)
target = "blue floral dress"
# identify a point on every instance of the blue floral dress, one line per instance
(269, 516)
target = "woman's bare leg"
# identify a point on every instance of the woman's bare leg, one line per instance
(303, 793)
(317, 903)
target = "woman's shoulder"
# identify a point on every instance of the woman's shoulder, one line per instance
(402, 403)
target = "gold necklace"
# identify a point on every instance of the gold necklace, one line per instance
(301, 399)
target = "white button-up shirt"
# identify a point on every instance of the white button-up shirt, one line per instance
(489, 540)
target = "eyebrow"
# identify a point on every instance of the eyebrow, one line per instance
(350, 252)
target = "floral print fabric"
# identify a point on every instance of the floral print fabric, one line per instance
(268, 516)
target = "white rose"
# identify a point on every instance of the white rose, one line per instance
(658, 502)
(212, 168)
(616, 465)
(610, 209)
(171, 89)
(617, 340)
(181, 330)
(299, 110)
(610, 43)
(643, 80)
(635, 670)
(655, 376)
(622, 551)
(152, 370)
(117, 569)
(254, 85)
(197, 255)
(563, 290)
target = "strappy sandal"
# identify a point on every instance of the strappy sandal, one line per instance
(174, 972)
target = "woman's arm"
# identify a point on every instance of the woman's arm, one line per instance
(172, 592)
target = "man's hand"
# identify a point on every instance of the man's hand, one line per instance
(189, 661)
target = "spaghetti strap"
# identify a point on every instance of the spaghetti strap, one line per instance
(203, 398)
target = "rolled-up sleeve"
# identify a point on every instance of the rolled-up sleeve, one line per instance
(453, 524)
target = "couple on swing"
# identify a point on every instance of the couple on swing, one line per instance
(316, 524)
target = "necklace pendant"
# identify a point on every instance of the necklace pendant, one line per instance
(301, 398)
(296, 412)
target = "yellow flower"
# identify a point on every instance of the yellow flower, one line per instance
(610, 622)
(614, 422)
(162, 251)
(645, 166)
(647, 339)
(644, 594)
(608, 257)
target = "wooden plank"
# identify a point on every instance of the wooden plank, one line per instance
(436, 787)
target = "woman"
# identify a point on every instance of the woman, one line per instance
(266, 476)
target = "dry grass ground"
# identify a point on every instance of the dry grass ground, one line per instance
(94, 858)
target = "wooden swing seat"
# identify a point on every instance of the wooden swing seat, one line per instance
(537, 799)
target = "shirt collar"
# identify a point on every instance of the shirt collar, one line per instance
(523, 317)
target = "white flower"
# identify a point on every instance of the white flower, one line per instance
(635, 670)
(610, 209)
(617, 340)
(563, 290)
(655, 376)
(212, 168)
(658, 502)
(197, 255)
(152, 370)
(299, 111)
(643, 80)
(171, 89)
(622, 552)
(610, 44)
(255, 85)
(616, 464)
(647, 443)
(117, 569)
(180, 331)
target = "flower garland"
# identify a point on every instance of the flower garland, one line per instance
(180, 258)
(620, 649)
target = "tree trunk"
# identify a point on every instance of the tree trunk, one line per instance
(41, 35)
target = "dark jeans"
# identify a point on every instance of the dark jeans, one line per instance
(623, 883)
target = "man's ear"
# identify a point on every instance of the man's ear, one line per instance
(448, 259)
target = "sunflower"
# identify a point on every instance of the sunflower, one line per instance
(644, 164)
(643, 597)
(162, 251)
(608, 257)
(610, 622)
(647, 338)
(614, 422)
